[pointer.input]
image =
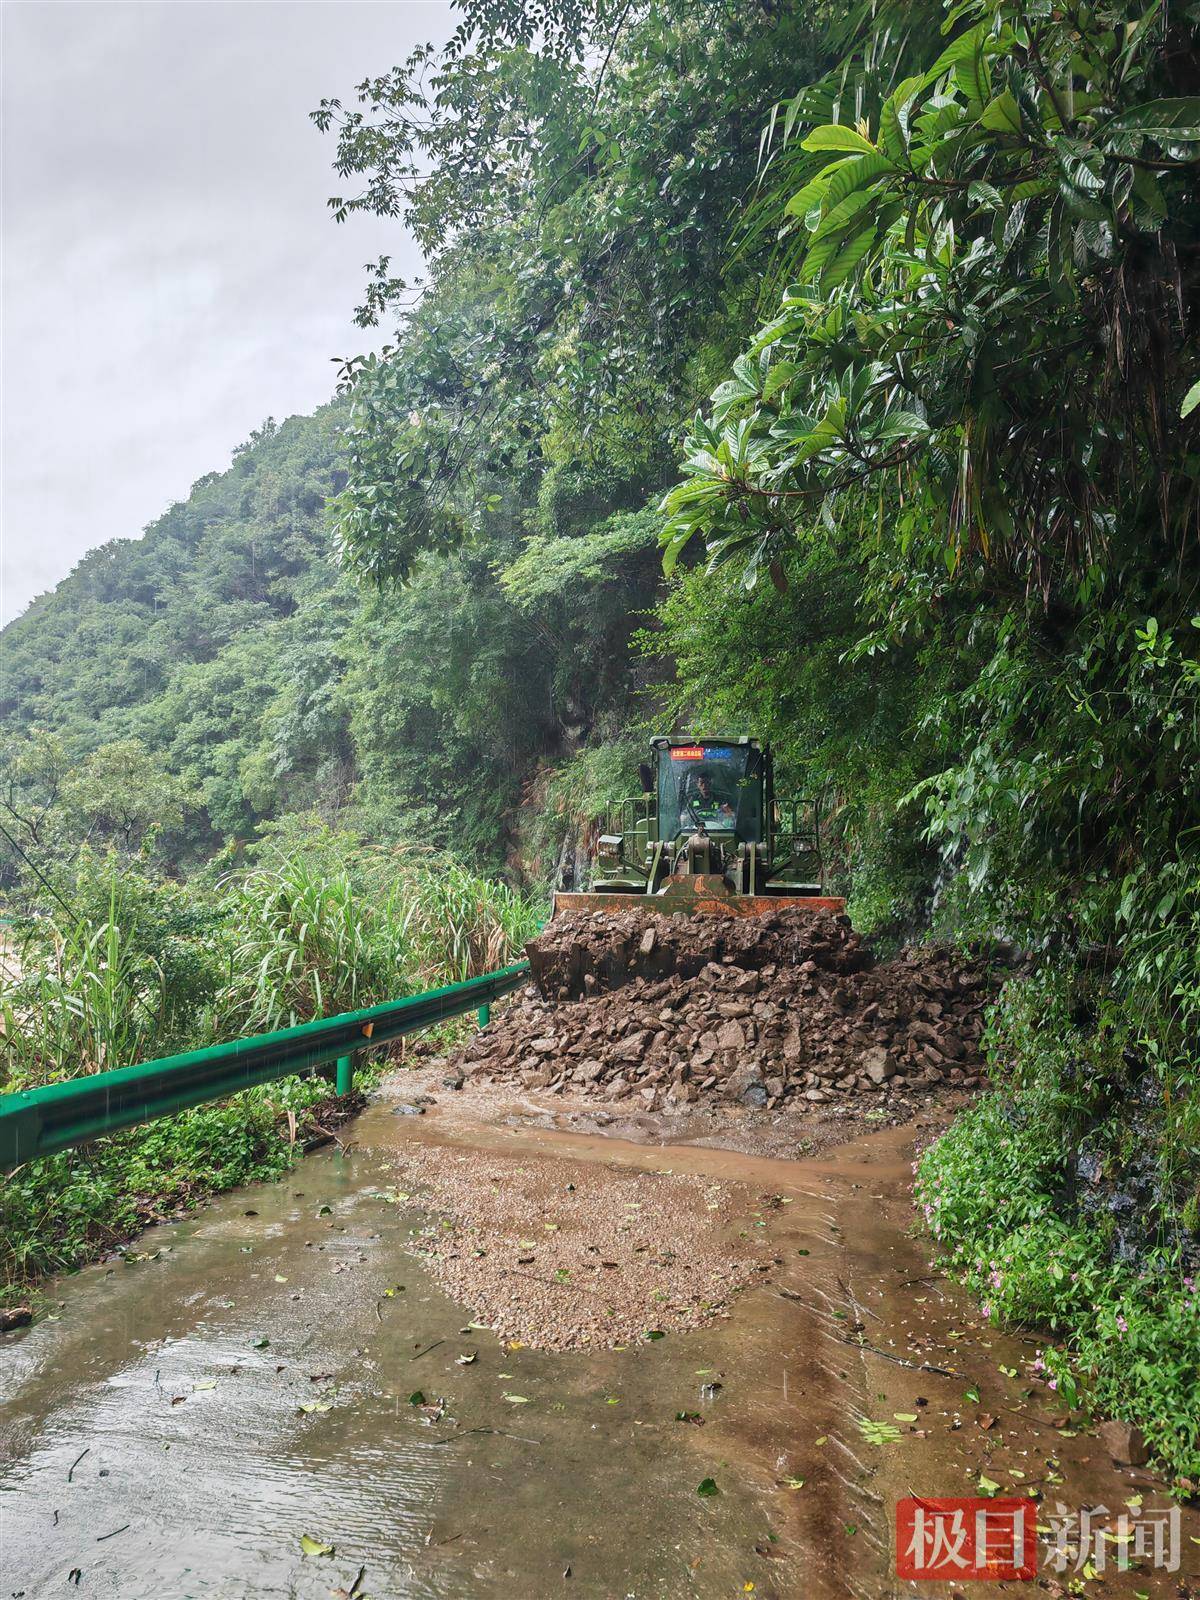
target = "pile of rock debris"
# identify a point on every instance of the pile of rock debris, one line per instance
(671, 1010)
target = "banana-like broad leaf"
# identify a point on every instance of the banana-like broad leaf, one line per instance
(894, 117)
(778, 379)
(959, 51)
(836, 136)
(1002, 115)
(813, 192)
(1174, 121)
(854, 175)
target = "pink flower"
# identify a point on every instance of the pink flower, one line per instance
(1122, 1324)
(1054, 1383)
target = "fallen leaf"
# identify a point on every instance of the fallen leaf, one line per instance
(793, 1483)
(877, 1432)
(466, 1358)
(204, 1383)
(417, 1397)
(707, 1488)
(314, 1547)
(988, 1485)
(905, 1416)
(516, 1399)
(316, 1405)
(261, 1342)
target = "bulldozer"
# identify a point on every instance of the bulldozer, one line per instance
(707, 834)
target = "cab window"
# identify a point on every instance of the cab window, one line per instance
(719, 786)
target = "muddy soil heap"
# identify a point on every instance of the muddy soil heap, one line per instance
(672, 1010)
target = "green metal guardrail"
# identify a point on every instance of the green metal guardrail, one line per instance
(40, 1121)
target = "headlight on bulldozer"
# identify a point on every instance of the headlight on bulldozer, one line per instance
(610, 850)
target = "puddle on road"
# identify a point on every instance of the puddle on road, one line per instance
(151, 1441)
(197, 1452)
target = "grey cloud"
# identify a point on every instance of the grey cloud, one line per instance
(171, 273)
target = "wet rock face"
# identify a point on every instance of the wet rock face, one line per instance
(665, 1011)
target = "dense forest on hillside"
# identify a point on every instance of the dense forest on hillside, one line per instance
(251, 678)
(831, 378)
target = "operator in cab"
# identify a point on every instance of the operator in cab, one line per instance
(704, 805)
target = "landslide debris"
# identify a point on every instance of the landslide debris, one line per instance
(672, 1010)
(566, 1255)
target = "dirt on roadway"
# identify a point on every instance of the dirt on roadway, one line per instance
(291, 1395)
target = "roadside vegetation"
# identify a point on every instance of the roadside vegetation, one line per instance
(119, 964)
(918, 290)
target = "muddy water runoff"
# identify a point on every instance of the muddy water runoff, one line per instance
(189, 1418)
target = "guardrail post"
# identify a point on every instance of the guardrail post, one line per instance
(485, 1014)
(344, 1080)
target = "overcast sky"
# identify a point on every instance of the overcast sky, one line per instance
(171, 275)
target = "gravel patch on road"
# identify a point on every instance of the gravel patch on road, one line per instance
(565, 1255)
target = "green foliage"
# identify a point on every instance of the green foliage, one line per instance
(1128, 1340)
(65, 1209)
(959, 341)
(309, 942)
(121, 792)
(175, 672)
(569, 801)
(841, 724)
(417, 716)
(944, 486)
(575, 210)
(973, 404)
(322, 922)
(117, 965)
(336, 926)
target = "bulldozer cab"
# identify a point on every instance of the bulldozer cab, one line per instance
(718, 785)
(707, 835)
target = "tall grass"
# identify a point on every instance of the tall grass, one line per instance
(304, 933)
(462, 924)
(310, 942)
(87, 1000)
(306, 944)
(145, 967)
